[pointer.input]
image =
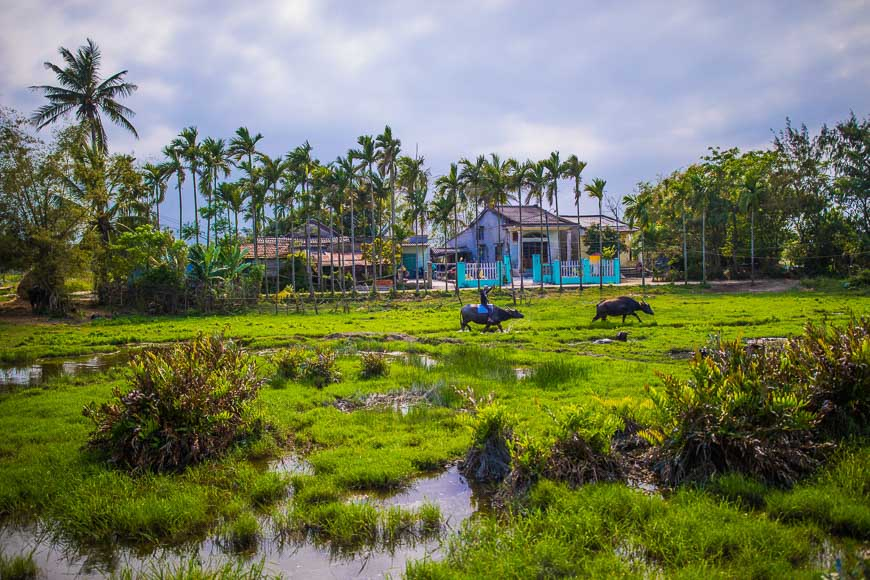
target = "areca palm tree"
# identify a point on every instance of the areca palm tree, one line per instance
(303, 165)
(596, 190)
(536, 181)
(348, 178)
(272, 171)
(516, 180)
(496, 175)
(555, 171)
(450, 187)
(753, 189)
(365, 155)
(413, 179)
(85, 94)
(574, 170)
(215, 160)
(234, 196)
(189, 151)
(244, 146)
(472, 180)
(174, 164)
(387, 156)
(637, 210)
(155, 177)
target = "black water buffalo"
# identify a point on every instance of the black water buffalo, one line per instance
(471, 313)
(622, 306)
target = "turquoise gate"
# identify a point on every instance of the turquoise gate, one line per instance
(483, 273)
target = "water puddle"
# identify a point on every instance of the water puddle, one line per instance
(413, 359)
(681, 354)
(522, 373)
(399, 401)
(39, 372)
(304, 558)
(291, 465)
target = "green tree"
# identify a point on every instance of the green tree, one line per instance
(555, 169)
(574, 170)
(244, 146)
(155, 177)
(387, 155)
(189, 151)
(449, 187)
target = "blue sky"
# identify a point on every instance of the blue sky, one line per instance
(636, 89)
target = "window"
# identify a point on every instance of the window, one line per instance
(481, 233)
(481, 253)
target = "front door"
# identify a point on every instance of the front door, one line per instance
(530, 248)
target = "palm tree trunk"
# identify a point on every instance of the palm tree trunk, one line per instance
(704, 246)
(600, 249)
(558, 236)
(541, 221)
(393, 224)
(734, 241)
(195, 201)
(319, 258)
(352, 247)
(237, 227)
(522, 252)
(277, 261)
(157, 210)
(752, 246)
(456, 245)
(292, 246)
(180, 207)
(579, 241)
(685, 252)
(642, 261)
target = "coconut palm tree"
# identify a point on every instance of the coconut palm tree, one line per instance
(189, 151)
(574, 170)
(516, 172)
(244, 146)
(596, 190)
(348, 179)
(155, 177)
(174, 164)
(496, 176)
(85, 94)
(388, 150)
(272, 171)
(450, 187)
(303, 165)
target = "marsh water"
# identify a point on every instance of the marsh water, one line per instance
(34, 374)
(448, 490)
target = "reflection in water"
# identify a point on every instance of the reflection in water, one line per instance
(36, 374)
(291, 559)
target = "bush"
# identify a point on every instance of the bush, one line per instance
(315, 366)
(291, 362)
(187, 403)
(765, 412)
(373, 364)
(489, 459)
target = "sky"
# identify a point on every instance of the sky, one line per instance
(635, 89)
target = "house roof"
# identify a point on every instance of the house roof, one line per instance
(416, 241)
(587, 221)
(532, 215)
(267, 248)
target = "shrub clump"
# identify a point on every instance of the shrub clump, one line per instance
(579, 452)
(315, 366)
(766, 413)
(187, 403)
(489, 458)
(373, 365)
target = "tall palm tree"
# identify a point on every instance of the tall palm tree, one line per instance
(303, 165)
(272, 171)
(244, 146)
(700, 199)
(215, 160)
(596, 190)
(574, 170)
(450, 187)
(753, 189)
(234, 196)
(555, 171)
(366, 156)
(84, 93)
(536, 181)
(155, 177)
(189, 151)
(174, 164)
(348, 178)
(413, 179)
(516, 180)
(496, 175)
(637, 210)
(387, 155)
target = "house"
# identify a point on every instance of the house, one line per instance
(415, 255)
(626, 256)
(520, 232)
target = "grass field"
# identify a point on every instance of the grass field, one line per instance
(733, 527)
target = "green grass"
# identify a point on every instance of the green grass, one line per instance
(731, 528)
(21, 567)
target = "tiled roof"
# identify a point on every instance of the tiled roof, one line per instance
(266, 247)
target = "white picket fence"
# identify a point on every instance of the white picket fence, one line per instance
(482, 270)
(604, 268)
(571, 269)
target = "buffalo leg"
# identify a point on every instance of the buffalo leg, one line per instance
(500, 328)
(638, 317)
(623, 318)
